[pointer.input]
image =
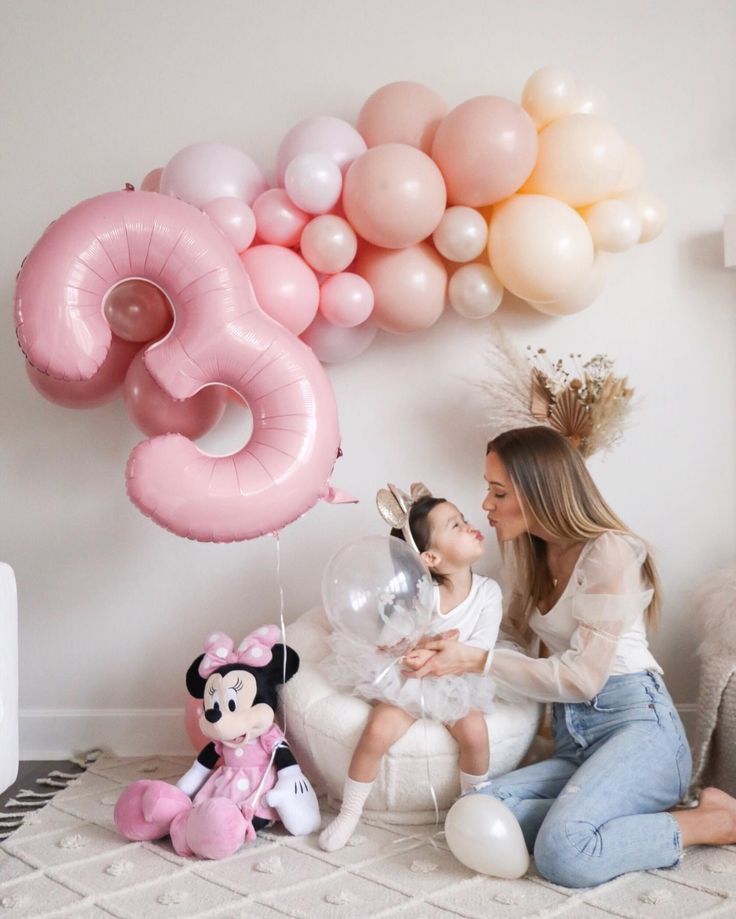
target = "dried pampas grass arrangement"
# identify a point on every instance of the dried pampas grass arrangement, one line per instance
(588, 404)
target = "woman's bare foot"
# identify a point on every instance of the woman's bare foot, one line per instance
(711, 823)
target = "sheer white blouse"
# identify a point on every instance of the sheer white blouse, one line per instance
(595, 630)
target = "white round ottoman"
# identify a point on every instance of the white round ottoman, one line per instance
(323, 725)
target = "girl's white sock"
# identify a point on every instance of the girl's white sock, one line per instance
(468, 780)
(336, 834)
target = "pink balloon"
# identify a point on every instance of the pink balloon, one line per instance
(346, 299)
(323, 134)
(394, 196)
(285, 286)
(278, 220)
(402, 113)
(313, 182)
(101, 388)
(409, 286)
(202, 172)
(152, 180)
(236, 220)
(486, 149)
(328, 244)
(155, 412)
(219, 336)
(138, 311)
(335, 344)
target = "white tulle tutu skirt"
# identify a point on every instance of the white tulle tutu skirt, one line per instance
(376, 676)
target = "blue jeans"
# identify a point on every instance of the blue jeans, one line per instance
(596, 808)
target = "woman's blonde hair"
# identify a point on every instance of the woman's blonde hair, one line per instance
(554, 489)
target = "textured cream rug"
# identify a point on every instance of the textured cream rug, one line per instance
(67, 860)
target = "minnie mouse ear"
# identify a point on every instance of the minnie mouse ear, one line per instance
(390, 509)
(284, 664)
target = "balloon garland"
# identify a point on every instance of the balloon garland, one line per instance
(163, 291)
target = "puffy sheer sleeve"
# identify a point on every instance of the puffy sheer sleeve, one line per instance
(609, 597)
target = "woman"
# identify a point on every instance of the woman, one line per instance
(585, 586)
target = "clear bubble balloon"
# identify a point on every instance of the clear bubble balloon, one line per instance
(377, 591)
(485, 836)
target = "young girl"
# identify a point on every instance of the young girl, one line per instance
(448, 545)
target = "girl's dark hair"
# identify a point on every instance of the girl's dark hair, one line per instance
(419, 526)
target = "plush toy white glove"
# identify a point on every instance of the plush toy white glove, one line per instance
(193, 779)
(295, 801)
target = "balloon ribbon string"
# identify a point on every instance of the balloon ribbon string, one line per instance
(281, 617)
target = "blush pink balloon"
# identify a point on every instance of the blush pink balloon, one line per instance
(138, 311)
(313, 182)
(202, 172)
(402, 113)
(285, 286)
(394, 196)
(152, 180)
(155, 412)
(409, 286)
(334, 344)
(220, 336)
(485, 148)
(278, 220)
(101, 388)
(328, 244)
(322, 134)
(346, 299)
(236, 220)
(192, 711)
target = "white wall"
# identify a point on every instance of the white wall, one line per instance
(112, 608)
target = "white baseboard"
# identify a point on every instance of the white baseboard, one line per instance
(60, 733)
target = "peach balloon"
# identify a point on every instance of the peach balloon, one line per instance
(633, 173)
(461, 235)
(152, 180)
(285, 286)
(549, 93)
(474, 291)
(409, 286)
(485, 149)
(583, 294)
(154, 412)
(346, 299)
(614, 225)
(581, 159)
(138, 310)
(328, 244)
(394, 196)
(402, 113)
(539, 247)
(97, 390)
(589, 100)
(650, 210)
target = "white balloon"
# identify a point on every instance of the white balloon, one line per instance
(474, 291)
(313, 182)
(462, 234)
(485, 836)
(614, 225)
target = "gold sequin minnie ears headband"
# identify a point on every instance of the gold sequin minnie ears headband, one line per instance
(394, 506)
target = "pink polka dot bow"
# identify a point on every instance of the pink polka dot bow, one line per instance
(254, 650)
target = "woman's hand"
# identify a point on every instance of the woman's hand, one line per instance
(451, 657)
(449, 635)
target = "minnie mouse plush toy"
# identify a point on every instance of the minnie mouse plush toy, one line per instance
(211, 813)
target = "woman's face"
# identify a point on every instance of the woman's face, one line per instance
(501, 505)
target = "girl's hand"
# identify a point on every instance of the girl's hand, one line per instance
(417, 658)
(449, 635)
(451, 657)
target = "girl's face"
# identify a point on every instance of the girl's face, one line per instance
(501, 505)
(453, 541)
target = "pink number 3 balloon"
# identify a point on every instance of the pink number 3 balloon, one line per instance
(220, 336)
